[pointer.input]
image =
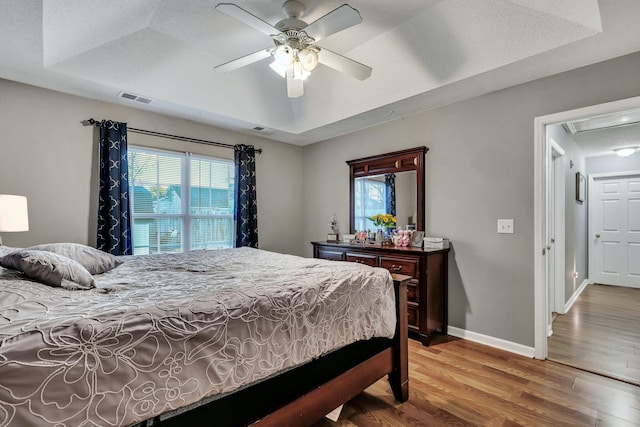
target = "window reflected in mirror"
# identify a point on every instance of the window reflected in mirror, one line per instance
(393, 194)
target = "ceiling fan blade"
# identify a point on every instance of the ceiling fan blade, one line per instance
(243, 61)
(245, 17)
(344, 64)
(294, 86)
(337, 20)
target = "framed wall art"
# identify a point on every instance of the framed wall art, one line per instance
(581, 187)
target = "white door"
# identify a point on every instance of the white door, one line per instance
(557, 229)
(614, 229)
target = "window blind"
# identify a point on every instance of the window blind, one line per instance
(180, 201)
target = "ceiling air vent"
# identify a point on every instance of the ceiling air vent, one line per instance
(137, 98)
(262, 129)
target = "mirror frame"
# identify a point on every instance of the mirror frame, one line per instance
(398, 161)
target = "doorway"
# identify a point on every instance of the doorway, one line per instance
(614, 228)
(557, 240)
(556, 220)
(545, 225)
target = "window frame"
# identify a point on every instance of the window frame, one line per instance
(185, 217)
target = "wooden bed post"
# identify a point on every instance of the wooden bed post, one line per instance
(399, 377)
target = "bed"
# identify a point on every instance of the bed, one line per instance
(225, 337)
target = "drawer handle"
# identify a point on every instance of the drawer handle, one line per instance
(396, 267)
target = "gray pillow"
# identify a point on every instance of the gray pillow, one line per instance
(49, 268)
(94, 260)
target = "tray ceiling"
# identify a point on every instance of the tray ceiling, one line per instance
(424, 54)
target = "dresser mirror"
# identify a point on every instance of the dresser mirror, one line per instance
(371, 181)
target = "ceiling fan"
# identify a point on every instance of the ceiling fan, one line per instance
(295, 52)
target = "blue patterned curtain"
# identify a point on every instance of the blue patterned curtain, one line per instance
(390, 193)
(246, 207)
(114, 218)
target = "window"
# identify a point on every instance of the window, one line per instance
(369, 199)
(180, 201)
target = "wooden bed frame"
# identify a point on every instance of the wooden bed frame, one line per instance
(304, 395)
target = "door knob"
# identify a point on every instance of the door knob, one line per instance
(597, 235)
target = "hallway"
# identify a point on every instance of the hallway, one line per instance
(601, 333)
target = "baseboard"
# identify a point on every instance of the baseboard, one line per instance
(509, 346)
(575, 295)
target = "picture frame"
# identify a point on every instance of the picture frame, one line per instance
(581, 187)
(416, 238)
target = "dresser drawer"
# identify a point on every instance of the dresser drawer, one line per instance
(412, 316)
(370, 260)
(408, 267)
(413, 292)
(328, 254)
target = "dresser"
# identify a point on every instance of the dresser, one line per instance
(426, 290)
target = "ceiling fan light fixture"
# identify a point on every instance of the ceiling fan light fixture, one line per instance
(299, 73)
(309, 59)
(295, 52)
(625, 151)
(284, 55)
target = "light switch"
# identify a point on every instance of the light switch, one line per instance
(505, 226)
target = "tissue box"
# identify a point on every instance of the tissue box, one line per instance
(435, 243)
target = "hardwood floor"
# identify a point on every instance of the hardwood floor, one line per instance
(601, 333)
(458, 382)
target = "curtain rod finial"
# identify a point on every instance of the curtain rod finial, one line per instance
(89, 122)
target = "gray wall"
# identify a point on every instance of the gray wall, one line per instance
(479, 169)
(575, 253)
(48, 156)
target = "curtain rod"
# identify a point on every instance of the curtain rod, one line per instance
(93, 122)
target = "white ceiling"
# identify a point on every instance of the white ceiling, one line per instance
(601, 142)
(424, 54)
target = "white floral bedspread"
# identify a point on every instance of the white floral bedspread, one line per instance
(164, 331)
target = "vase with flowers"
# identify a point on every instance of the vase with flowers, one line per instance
(385, 220)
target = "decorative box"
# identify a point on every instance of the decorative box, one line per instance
(348, 237)
(435, 243)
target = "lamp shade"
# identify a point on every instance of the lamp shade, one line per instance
(283, 55)
(13, 213)
(309, 59)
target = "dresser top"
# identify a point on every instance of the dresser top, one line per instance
(386, 248)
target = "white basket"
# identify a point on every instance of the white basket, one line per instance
(435, 243)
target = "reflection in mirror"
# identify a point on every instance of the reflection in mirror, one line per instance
(370, 193)
(393, 193)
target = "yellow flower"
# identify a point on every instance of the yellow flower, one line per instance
(386, 219)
